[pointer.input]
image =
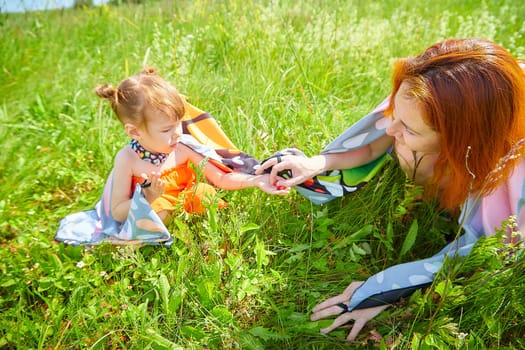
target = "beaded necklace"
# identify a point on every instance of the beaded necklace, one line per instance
(152, 157)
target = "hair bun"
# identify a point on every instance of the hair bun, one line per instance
(107, 91)
(149, 71)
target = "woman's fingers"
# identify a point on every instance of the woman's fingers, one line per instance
(341, 298)
(355, 329)
(343, 320)
(267, 164)
(328, 303)
(361, 317)
(352, 287)
(338, 322)
(327, 312)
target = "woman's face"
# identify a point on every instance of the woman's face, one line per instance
(416, 145)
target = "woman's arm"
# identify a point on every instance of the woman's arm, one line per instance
(303, 168)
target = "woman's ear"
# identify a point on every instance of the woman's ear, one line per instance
(132, 131)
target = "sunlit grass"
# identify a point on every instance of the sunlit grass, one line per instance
(274, 74)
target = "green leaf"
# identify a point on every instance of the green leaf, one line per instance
(249, 227)
(410, 239)
(358, 250)
(223, 315)
(362, 232)
(164, 288)
(321, 264)
(8, 283)
(175, 300)
(265, 333)
(153, 336)
(193, 332)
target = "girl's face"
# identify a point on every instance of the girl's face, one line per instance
(416, 145)
(161, 133)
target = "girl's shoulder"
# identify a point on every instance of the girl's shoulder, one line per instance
(176, 159)
(125, 156)
(129, 162)
(180, 155)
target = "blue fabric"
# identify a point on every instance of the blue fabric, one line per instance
(400, 280)
(92, 227)
(335, 183)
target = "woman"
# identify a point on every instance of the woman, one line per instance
(457, 126)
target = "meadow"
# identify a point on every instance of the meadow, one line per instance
(274, 74)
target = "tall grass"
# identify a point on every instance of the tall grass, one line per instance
(275, 74)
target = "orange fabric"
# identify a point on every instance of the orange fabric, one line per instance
(221, 166)
(182, 180)
(205, 130)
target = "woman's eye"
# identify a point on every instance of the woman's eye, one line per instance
(408, 131)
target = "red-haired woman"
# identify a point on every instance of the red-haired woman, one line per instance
(456, 123)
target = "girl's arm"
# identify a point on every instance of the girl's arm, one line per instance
(120, 200)
(120, 192)
(227, 181)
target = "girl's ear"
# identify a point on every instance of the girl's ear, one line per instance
(132, 131)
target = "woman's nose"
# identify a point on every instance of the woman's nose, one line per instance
(393, 129)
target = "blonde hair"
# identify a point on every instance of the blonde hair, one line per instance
(141, 94)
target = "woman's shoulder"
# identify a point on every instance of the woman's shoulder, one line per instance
(517, 177)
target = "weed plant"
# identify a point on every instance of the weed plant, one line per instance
(275, 74)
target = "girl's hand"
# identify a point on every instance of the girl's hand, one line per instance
(265, 185)
(334, 306)
(153, 186)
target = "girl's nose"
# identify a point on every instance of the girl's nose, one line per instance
(176, 136)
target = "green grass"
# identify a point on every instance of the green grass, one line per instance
(274, 74)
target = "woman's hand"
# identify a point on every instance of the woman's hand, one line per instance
(153, 186)
(333, 307)
(298, 169)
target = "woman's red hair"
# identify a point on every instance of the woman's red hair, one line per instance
(472, 92)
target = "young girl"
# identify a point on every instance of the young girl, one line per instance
(157, 157)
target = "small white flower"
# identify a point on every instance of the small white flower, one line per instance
(103, 273)
(80, 264)
(462, 336)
